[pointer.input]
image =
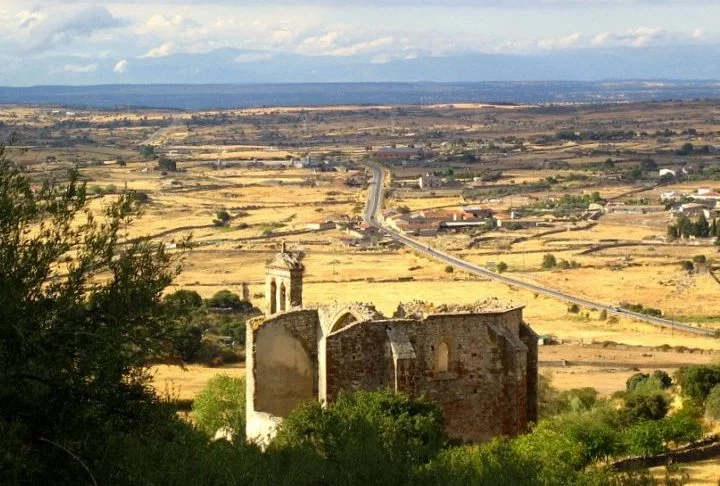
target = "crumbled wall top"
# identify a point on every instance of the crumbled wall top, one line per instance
(362, 311)
(418, 309)
(286, 260)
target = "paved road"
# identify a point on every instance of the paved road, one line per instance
(373, 216)
(157, 134)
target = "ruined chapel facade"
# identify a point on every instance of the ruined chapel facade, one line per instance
(479, 365)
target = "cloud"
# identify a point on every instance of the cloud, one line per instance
(568, 41)
(80, 68)
(362, 47)
(28, 18)
(80, 23)
(644, 36)
(161, 22)
(320, 44)
(600, 39)
(162, 50)
(698, 33)
(121, 67)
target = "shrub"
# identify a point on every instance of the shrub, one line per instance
(221, 404)
(390, 432)
(699, 259)
(449, 269)
(222, 218)
(184, 299)
(549, 261)
(225, 299)
(696, 381)
(646, 405)
(501, 267)
(574, 308)
(712, 404)
(687, 265)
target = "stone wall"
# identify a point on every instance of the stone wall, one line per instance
(282, 367)
(358, 357)
(480, 391)
(481, 368)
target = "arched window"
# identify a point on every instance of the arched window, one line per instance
(273, 297)
(443, 357)
(282, 297)
(343, 321)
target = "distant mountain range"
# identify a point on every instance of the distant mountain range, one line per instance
(245, 66)
(212, 96)
(236, 78)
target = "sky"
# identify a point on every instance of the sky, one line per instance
(123, 41)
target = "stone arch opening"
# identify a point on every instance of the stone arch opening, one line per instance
(344, 320)
(443, 357)
(273, 297)
(283, 297)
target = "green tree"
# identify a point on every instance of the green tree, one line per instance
(222, 218)
(696, 381)
(501, 267)
(221, 404)
(646, 405)
(390, 432)
(493, 464)
(80, 316)
(549, 261)
(225, 299)
(166, 164)
(687, 149)
(712, 404)
(184, 299)
(644, 438)
(147, 151)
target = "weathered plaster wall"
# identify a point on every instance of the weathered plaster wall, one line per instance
(282, 364)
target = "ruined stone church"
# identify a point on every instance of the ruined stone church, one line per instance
(479, 363)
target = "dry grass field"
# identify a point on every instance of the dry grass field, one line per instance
(267, 201)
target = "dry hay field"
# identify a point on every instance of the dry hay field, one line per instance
(184, 383)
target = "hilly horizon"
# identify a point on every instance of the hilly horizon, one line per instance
(232, 65)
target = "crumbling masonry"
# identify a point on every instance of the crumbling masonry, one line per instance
(479, 363)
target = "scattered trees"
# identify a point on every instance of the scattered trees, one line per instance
(684, 227)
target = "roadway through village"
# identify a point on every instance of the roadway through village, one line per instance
(373, 216)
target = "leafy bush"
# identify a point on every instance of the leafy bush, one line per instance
(646, 406)
(222, 218)
(79, 338)
(712, 404)
(184, 299)
(501, 267)
(549, 261)
(696, 381)
(221, 404)
(391, 433)
(225, 299)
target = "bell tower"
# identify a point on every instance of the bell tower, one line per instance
(283, 282)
